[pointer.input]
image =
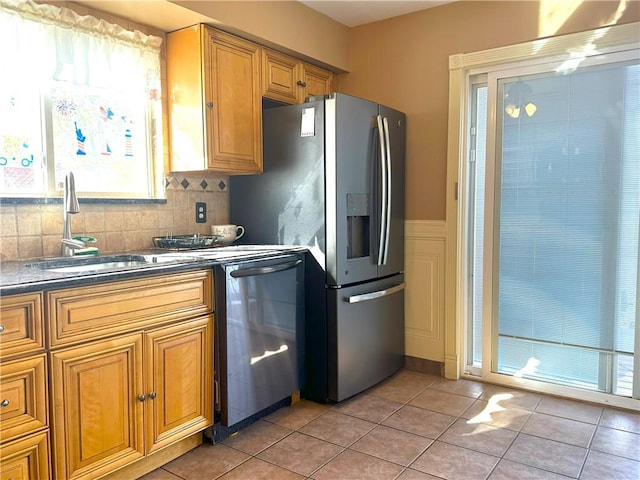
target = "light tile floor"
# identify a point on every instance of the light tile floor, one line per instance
(416, 427)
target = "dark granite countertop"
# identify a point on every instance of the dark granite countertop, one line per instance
(23, 276)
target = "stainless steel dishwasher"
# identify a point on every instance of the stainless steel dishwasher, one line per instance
(258, 338)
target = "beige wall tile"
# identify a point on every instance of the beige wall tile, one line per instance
(8, 221)
(112, 242)
(30, 231)
(8, 248)
(94, 221)
(52, 223)
(51, 245)
(29, 224)
(30, 246)
(114, 219)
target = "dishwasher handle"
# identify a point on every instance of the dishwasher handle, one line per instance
(251, 272)
(373, 295)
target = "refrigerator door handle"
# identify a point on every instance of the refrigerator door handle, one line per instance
(389, 192)
(363, 297)
(383, 170)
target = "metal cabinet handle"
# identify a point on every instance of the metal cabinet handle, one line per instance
(142, 397)
(209, 104)
(301, 83)
(153, 395)
(1, 328)
(4, 402)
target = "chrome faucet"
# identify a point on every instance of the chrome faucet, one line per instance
(69, 207)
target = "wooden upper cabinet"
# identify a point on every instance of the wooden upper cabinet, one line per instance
(279, 76)
(317, 81)
(215, 108)
(287, 79)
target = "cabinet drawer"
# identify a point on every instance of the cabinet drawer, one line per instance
(23, 397)
(20, 324)
(96, 311)
(26, 459)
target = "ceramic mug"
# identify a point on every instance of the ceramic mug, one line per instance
(229, 233)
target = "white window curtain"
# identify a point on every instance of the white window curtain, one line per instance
(45, 42)
(77, 93)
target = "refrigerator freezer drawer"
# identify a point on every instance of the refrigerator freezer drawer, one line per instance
(366, 335)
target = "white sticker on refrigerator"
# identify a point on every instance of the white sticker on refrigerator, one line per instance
(307, 125)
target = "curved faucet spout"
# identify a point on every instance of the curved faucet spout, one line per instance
(70, 199)
(69, 207)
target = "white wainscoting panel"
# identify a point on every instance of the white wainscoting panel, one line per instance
(425, 249)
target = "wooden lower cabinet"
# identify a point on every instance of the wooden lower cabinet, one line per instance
(97, 420)
(117, 400)
(24, 408)
(26, 458)
(179, 373)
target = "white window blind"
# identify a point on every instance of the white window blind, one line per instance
(567, 205)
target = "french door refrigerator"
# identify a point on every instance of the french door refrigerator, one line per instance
(334, 181)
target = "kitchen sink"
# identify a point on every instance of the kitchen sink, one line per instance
(104, 263)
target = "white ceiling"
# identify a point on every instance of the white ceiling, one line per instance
(358, 12)
(169, 16)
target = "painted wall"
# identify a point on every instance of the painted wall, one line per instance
(290, 26)
(403, 62)
(285, 25)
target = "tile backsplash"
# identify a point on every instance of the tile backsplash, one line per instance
(31, 231)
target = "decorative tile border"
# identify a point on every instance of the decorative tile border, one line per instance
(198, 183)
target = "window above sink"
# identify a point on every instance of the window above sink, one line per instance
(91, 103)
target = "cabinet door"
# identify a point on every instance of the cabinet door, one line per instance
(26, 459)
(185, 101)
(179, 373)
(97, 416)
(317, 81)
(279, 76)
(234, 104)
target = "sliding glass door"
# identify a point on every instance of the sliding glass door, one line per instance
(553, 224)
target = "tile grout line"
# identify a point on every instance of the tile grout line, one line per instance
(405, 402)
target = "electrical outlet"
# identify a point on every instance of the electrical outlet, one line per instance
(201, 212)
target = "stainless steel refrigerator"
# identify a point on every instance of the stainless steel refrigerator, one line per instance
(334, 181)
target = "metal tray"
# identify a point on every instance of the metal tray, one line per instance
(186, 242)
